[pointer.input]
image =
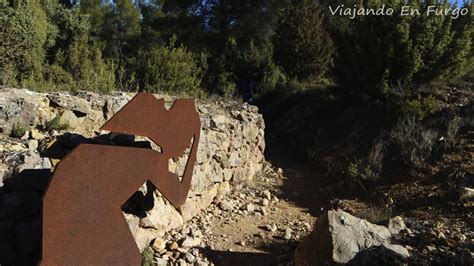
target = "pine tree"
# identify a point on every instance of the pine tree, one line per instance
(121, 29)
(302, 46)
(382, 52)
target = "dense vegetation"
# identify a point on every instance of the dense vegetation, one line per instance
(246, 48)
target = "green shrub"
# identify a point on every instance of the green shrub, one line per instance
(56, 124)
(60, 79)
(302, 45)
(18, 130)
(419, 107)
(147, 257)
(24, 30)
(171, 69)
(99, 76)
(376, 53)
(361, 171)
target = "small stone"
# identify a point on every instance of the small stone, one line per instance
(200, 262)
(466, 194)
(36, 134)
(287, 233)
(184, 231)
(396, 224)
(161, 262)
(241, 243)
(249, 207)
(307, 226)
(266, 194)
(195, 252)
(270, 227)
(196, 233)
(16, 147)
(173, 246)
(189, 257)
(263, 211)
(462, 237)
(188, 242)
(25, 136)
(159, 244)
(441, 235)
(225, 205)
(32, 145)
(197, 241)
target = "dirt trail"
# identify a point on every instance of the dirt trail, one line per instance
(270, 239)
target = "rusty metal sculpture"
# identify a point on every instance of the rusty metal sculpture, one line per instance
(82, 219)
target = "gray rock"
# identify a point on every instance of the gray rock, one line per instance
(396, 224)
(115, 103)
(68, 102)
(270, 227)
(200, 262)
(190, 258)
(249, 207)
(267, 195)
(338, 237)
(32, 145)
(466, 194)
(400, 250)
(34, 161)
(182, 262)
(287, 235)
(226, 205)
(36, 134)
(18, 107)
(163, 216)
(144, 237)
(4, 174)
(70, 119)
(187, 242)
(161, 262)
(133, 222)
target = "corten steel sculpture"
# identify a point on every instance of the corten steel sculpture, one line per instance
(83, 222)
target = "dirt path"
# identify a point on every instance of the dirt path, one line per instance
(261, 229)
(261, 221)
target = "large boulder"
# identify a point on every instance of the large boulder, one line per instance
(21, 108)
(338, 237)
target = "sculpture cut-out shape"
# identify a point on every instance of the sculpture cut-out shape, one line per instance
(83, 222)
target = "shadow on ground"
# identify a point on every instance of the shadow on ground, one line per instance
(302, 185)
(20, 217)
(231, 258)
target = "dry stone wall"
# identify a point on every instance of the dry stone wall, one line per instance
(230, 152)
